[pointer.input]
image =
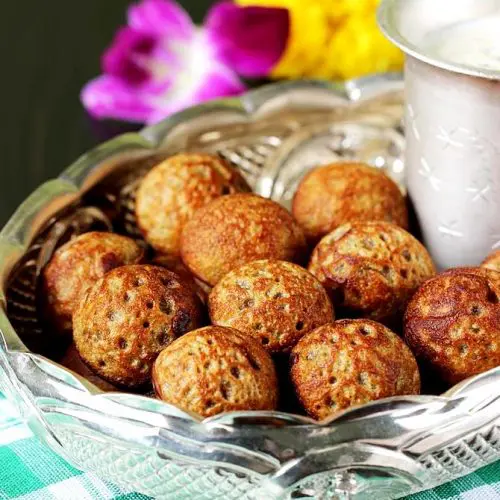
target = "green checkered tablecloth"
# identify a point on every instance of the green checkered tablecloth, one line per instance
(31, 471)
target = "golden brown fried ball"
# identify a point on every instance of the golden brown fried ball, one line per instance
(453, 323)
(492, 261)
(275, 302)
(128, 317)
(236, 229)
(214, 370)
(351, 362)
(371, 269)
(76, 266)
(172, 191)
(335, 194)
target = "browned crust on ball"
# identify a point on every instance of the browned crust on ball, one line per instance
(492, 261)
(178, 267)
(351, 362)
(74, 362)
(453, 323)
(214, 370)
(128, 317)
(172, 191)
(335, 194)
(275, 302)
(371, 269)
(236, 229)
(76, 266)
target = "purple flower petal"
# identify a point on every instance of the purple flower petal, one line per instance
(250, 40)
(218, 81)
(108, 97)
(162, 64)
(161, 17)
(123, 57)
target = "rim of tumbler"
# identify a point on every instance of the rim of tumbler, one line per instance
(387, 21)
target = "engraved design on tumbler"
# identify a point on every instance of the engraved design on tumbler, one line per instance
(413, 122)
(479, 193)
(449, 138)
(428, 172)
(483, 186)
(450, 229)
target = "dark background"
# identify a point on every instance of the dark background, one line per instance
(49, 50)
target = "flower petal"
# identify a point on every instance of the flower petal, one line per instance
(250, 40)
(122, 58)
(217, 82)
(161, 17)
(109, 97)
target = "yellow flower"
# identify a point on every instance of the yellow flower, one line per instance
(333, 39)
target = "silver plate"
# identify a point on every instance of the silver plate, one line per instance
(384, 449)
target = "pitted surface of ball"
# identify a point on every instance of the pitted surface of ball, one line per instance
(76, 266)
(453, 323)
(128, 317)
(335, 194)
(351, 362)
(172, 191)
(371, 269)
(214, 370)
(276, 302)
(236, 229)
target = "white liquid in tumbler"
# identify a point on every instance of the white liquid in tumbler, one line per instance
(473, 43)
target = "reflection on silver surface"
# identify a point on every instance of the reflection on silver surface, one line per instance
(383, 449)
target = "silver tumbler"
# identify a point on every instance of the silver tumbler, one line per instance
(453, 132)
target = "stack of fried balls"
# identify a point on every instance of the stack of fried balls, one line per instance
(338, 288)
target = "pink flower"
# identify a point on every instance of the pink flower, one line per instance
(161, 62)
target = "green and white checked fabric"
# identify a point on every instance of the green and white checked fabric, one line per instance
(31, 471)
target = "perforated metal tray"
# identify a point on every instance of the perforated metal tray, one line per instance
(384, 449)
